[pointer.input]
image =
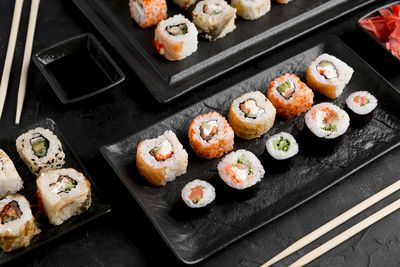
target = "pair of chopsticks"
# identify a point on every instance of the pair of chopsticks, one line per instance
(10, 55)
(336, 222)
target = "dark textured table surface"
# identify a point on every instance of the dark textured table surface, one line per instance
(125, 237)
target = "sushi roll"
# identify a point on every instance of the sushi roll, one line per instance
(328, 75)
(184, 4)
(17, 225)
(63, 193)
(290, 96)
(147, 13)
(41, 150)
(327, 120)
(162, 159)
(175, 38)
(10, 181)
(251, 9)
(198, 194)
(361, 102)
(251, 115)
(282, 146)
(240, 169)
(283, 2)
(210, 135)
(214, 19)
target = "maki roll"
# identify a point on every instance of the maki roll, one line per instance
(162, 159)
(328, 75)
(198, 194)
(240, 169)
(175, 38)
(327, 120)
(214, 19)
(290, 96)
(41, 150)
(10, 181)
(282, 146)
(251, 9)
(361, 102)
(17, 225)
(210, 135)
(185, 4)
(147, 13)
(63, 193)
(251, 115)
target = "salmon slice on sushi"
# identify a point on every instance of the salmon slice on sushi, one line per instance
(147, 13)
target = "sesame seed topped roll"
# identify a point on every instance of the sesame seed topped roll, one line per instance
(147, 13)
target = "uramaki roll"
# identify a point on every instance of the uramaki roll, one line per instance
(147, 13)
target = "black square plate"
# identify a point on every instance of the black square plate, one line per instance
(49, 232)
(167, 80)
(234, 215)
(78, 68)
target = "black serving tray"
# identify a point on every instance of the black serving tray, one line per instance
(167, 80)
(195, 236)
(49, 232)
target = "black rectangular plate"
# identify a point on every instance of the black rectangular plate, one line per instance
(167, 80)
(49, 232)
(236, 214)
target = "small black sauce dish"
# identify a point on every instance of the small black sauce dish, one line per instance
(78, 68)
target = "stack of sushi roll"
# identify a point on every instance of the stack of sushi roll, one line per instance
(147, 13)
(251, 115)
(162, 159)
(10, 181)
(214, 18)
(290, 96)
(251, 9)
(17, 225)
(175, 38)
(282, 146)
(63, 194)
(210, 135)
(41, 150)
(198, 194)
(328, 75)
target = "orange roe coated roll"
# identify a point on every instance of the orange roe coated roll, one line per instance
(148, 12)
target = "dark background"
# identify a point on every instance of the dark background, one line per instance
(126, 237)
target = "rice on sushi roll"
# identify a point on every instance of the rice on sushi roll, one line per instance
(282, 146)
(198, 194)
(290, 96)
(251, 9)
(240, 169)
(10, 181)
(63, 193)
(162, 159)
(147, 13)
(328, 75)
(17, 225)
(214, 19)
(361, 102)
(41, 150)
(327, 120)
(251, 115)
(175, 38)
(210, 135)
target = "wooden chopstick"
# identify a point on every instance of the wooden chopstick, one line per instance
(334, 223)
(27, 58)
(347, 234)
(10, 52)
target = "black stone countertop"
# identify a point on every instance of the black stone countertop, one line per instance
(126, 237)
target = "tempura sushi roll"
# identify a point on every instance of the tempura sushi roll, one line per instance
(63, 193)
(184, 4)
(162, 159)
(147, 13)
(251, 115)
(240, 169)
(328, 75)
(17, 225)
(251, 9)
(214, 19)
(290, 96)
(175, 38)
(210, 135)
(10, 181)
(41, 150)
(198, 194)
(361, 102)
(282, 146)
(327, 120)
